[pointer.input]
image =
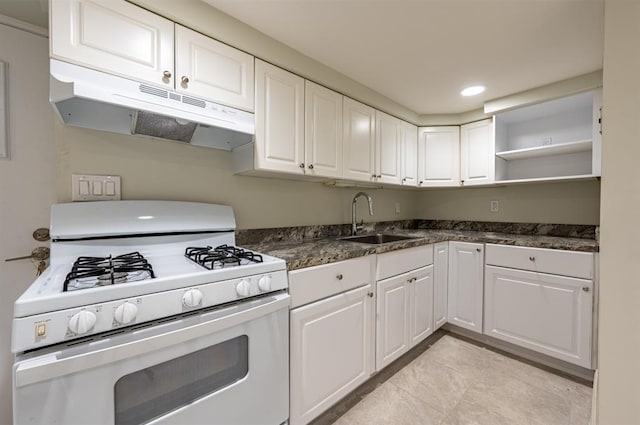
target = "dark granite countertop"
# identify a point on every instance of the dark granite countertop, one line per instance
(300, 254)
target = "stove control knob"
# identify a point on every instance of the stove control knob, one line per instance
(82, 322)
(244, 288)
(264, 283)
(192, 298)
(125, 313)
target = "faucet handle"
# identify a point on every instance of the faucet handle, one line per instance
(360, 226)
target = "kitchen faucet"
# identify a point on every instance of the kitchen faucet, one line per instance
(354, 226)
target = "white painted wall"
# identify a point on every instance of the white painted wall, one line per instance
(27, 180)
(569, 203)
(619, 313)
(157, 169)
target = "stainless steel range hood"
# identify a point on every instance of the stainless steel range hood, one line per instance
(87, 98)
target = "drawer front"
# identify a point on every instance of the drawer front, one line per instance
(403, 260)
(314, 283)
(552, 261)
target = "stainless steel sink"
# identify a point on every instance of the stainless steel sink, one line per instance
(377, 238)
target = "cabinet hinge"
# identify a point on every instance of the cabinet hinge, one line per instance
(600, 120)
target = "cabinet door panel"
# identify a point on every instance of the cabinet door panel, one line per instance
(359, 140)
(323, 131)
(440, 273)
(477, 153)
(439, 156)
(215, 71)
(392, 330)
(546, 313)
(421, 305)
(465, 290)
(388, 148)
(279, 119)
(409, 154)
(331, 351)
(116, 37)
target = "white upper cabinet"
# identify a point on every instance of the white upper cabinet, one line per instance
(554, 140)
(207, 68)
(120, 38)
(359, 129)
(388, 148)
(409, 166)
(323, 131)
(439, 156)
(279, 139)
(113, 36)
(477, 148)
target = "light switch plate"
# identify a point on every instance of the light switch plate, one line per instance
(87, 187)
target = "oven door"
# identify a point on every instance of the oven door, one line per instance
(227, 366)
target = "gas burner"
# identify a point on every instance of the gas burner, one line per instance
(221, 256)
(91, 272)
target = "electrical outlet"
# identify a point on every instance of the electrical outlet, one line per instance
(495, 206)
(85, 187)
(547, 141)
(397, 207)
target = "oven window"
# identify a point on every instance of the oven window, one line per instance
(152, 392)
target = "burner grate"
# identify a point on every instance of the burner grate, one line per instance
(221, 256)
(91, 272)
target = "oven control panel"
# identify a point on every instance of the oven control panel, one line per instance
(65, 325)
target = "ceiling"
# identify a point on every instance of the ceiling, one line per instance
(421, 53)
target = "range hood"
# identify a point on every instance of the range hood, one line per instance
(87, 98)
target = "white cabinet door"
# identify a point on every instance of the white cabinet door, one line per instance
(409, 164)
(477, 150)
(440, 283)
(209, 69)
(323, 131)
(388, 148)
(331, 351)
(465, 292)
(392, 327)
(279, 119)
(113, 36)
(420, 305)
(359, 126)
(439, 156)
(545, 313)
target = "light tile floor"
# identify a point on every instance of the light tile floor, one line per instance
(457, 382)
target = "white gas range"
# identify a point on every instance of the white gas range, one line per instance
(135, 291)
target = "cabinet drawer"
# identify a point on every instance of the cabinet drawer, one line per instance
(553, 261)
(314, 283)
(403, 260)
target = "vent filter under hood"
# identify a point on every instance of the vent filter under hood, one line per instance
(87, 98)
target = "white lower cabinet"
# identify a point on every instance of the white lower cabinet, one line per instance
(404, 314)
(331, 345)
(547, 313)
(464, 300)
(440, 283)
(404, 305)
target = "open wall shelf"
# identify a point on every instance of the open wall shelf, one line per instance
(547, 150)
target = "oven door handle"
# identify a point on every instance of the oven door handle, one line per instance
(50, 366)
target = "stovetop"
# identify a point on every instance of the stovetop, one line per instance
(168, 264)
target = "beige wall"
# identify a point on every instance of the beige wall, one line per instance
(619, 315)
(573, 203)
(154, 169)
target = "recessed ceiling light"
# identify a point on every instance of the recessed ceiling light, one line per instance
(472, 90)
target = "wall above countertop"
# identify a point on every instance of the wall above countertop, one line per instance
(155, 169)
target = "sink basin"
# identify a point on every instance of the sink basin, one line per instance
(377, 238)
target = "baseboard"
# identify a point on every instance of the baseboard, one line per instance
(524, 353)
